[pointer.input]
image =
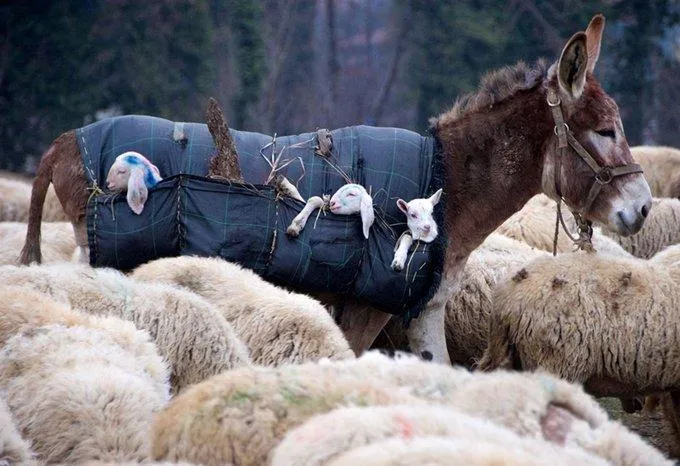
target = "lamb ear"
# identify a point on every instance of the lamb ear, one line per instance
(137, 192)
(403, 206)
(434, 199)
(367, 214)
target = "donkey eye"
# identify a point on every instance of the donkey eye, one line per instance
(607, 133)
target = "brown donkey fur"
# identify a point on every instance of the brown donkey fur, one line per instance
(498, 149)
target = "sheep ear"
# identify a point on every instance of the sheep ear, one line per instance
(434, 199)
(367, 214)
(136, 190)
(403, 206)
(571, 69)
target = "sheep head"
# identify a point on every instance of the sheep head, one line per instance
(132, 172)
(419, 217)
(352, 199)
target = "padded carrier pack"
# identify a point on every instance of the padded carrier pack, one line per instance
(190, 214)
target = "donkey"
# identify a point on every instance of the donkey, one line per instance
(550, 129)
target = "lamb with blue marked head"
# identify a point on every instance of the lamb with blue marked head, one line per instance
(132, 172)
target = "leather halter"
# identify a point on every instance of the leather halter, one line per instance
(603, 175)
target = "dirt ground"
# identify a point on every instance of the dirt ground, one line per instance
(650, 426)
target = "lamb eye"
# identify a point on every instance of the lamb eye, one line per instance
(414, 216)
(121, 171)
(351, 195)
(607, 133)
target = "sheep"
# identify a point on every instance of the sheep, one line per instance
(607, 321)
(347, 200)
(241, 415)
(479, 451)
(468, 308)
(661, 229)
(421, 226)
(325, 437)
(662, 169)
(534, 225)
(15, 197)
(190, 334)
(59, 243)
(78, 395)
(13, 448)
(277, 326)
(132, 172)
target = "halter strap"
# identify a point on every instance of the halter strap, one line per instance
(603, 175)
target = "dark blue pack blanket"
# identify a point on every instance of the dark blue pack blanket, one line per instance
(189, 214)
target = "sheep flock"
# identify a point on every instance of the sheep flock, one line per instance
(562, 360)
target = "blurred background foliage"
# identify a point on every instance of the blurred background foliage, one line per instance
(289, 66)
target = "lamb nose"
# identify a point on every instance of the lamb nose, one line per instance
(427, 228)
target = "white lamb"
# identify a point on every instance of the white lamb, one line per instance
(13, 448)
(190, 333)
(132, 172)
(349, 199)
(277, 326)
(421, 226)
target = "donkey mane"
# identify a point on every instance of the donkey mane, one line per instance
(495, 87)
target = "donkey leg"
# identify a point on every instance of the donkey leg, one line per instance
(82, 251)
(361, 324)
(426, 335)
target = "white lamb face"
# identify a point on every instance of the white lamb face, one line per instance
(347, 200)
(118, 176)
(419, 217)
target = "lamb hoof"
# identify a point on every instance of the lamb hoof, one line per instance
(397, 266)
(293, 231)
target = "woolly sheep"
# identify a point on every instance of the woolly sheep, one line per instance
(241, 415)
(190, 334)
(59, 245)
(479, 451)
(77, 395)
(277, 326)
(468, 308)
(23, 310)
(349, 199)
(421, 226)
(534, 225)
(661, 229)
(609, 323)
(15, 198)
(325, 437)
(662, 169)
(13, 449)
(132, 172)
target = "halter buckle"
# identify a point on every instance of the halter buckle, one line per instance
(604, 176)
(556, 99)
(566, 127)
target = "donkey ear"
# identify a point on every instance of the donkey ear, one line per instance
(403, 206)
(594, 40)
(137, 192)
(434, 199)
(367, 214)
(571, 69)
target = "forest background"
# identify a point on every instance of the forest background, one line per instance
(290, 66)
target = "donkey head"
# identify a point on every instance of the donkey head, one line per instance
(597, 188)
